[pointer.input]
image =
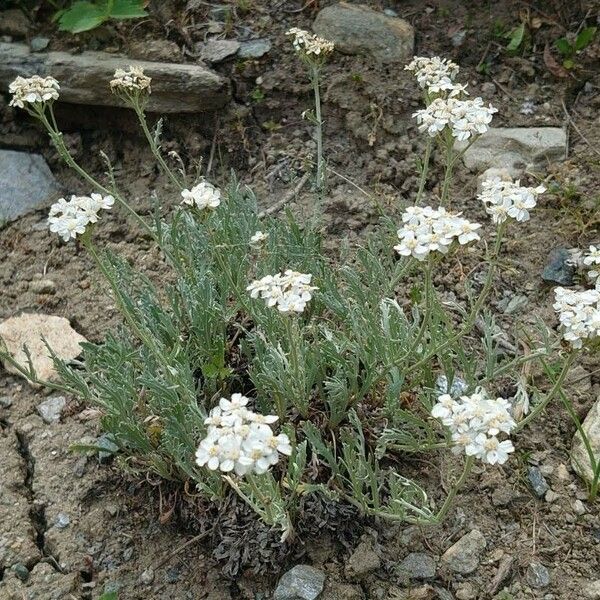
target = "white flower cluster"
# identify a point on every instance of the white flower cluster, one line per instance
(465, 118)
(289, 291)
(435, 74)
(131, 80)
(427, 230)
(204, 195)
(309, 44)
(258, 239)
(579, 314)
(504, 199)
(475, 422)
(240, 440)
(33, 90)
(592, 260)
(69, 218)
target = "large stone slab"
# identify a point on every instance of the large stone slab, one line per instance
(26, 184)
(358, 29)
(84, 79)
(31, 330)
(516, 149)
(579, 457)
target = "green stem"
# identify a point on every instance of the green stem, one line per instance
(293, 333)
(424, 170)
(556, 389)
(455, 488)
(154, 146)
(427, 308)
(320, 184)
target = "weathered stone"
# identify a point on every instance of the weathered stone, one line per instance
(361, 30)
(215, 51)
(30, 330)
(107, 442)
(302, 582)
(50, 410)
(14, 22)
(493, 173)
(26, 184)
(537, 575)
(84, 79)
(417, 565)
(560, 267)
(537, 481)
(516, 149)
(591, 590)
(254, 48)
(38, 43)
(580, 459)
(21, 571)
(362, 561)
(464, 556)
(42, 286)
(158, 50)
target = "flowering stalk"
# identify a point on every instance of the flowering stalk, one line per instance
(424, 170)
(315, 77)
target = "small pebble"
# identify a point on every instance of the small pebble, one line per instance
(551, 496)
(537, 575)
(579, 507)
(147, 576)
(21, 571)
(537, 481)
(62, 521)
(42, 286)
(5, 401)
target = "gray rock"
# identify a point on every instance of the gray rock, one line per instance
(516, 304)
(50, 410)
(516, 149)
(502, 496)
(107, 443)
(551, 496)
(466, 591)
(459, 385)
(62, 521)
(5, 401)
(537, 481)
(578, 507)
(147, 576)
(21, 571)
(38, 43)
(560, 268)
(442, 594)
(417, 565)
(361, 30)
(464, 556)
(215, 51)
(488, 88)
(537, 575)
(362, 561)
(158, 50)
(302, 582)
(254, 48)
(26, 184)
(42, 286)
(580, 459)
(84, 77)
(173, 575)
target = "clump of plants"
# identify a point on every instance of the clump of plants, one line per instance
(273, 373)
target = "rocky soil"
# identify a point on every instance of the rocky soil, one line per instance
(71, 524)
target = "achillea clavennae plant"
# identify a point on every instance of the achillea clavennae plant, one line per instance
(325, 349)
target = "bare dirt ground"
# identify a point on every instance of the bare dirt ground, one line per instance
(80, 527)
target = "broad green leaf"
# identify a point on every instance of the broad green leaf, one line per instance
(128, 9)
(516, 37)
(82, 16)
(564, 47)
(585, 37)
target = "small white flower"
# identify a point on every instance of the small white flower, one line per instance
(258, 238)
(130, 80)
(309, 44)
(504, 199)
(202, 196)
(33, 90)
(426, 230)
(289, 291)
(578, 314)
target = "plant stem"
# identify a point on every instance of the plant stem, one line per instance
(320, 184)
(452, 493)
(427, 308)
(424, 170)
(448, 172)
(293, 333)
(556, 389)
(63, 151)
(139, 111)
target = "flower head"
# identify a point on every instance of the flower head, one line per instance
(289, 291)
(258, 239)
(130, 81)
(592, 260)
(202, 196)
(33, 90)
(578, 314)
(426, 230)
(69, 218)
(474, 422)
(508, 199)
(240, 440)
(308, 44)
